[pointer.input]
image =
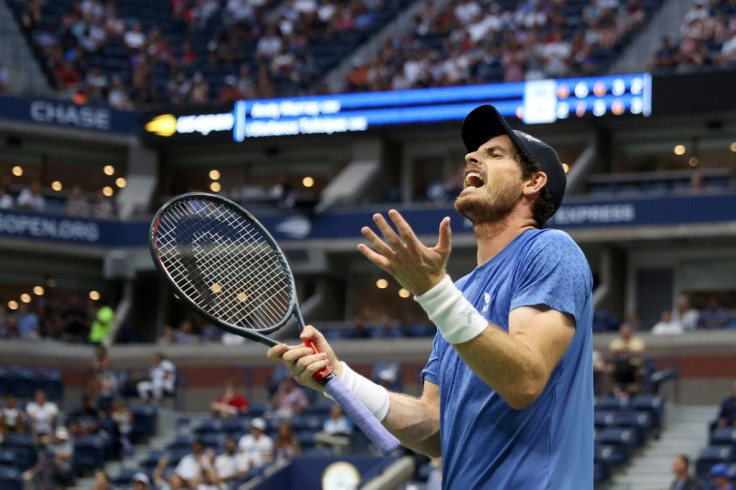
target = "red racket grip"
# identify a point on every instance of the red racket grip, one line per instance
(325, 371)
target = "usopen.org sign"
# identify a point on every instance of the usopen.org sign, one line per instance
(49, 227)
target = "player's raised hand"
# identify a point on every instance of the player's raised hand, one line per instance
(301, 361)
(417, 268)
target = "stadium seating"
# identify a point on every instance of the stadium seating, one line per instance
(219, 45)
(144, 421)
(89, 453)
(10, 478)
(711, 455)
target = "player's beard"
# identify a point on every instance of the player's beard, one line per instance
(490, 205)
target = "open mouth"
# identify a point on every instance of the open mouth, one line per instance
(473, 179)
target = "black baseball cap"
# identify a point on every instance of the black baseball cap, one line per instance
(485, 122)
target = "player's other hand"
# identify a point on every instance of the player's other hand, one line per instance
(415, 266)
(302, 363)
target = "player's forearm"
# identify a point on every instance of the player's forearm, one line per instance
(415, 422)
(510, 366)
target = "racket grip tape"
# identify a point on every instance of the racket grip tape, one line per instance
(359, 414)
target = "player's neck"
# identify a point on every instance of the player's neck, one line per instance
(493, 237)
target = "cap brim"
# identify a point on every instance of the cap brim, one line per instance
(482, 124)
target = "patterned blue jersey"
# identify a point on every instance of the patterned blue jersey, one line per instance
(486, 444)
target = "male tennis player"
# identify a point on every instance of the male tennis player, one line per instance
(508, 388)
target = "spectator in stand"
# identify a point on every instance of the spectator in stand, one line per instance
(685, 313)
(104, 319)
(713, 316)
(54, 467)
(289, 400)
(681, 470)
(123, 419)
(184, 334)
(11, 417)
(28, 323)
(720, 477)
(173, 482)
(626, 366)
(41, 414)
(4, 78)
(75, 320)
(256, 447)
(195, 468)
(6, 200)
(230, 465)
(102, 480)
(230, 91)
(76, 204)
(103, 379)
(140, 481)
(727, 414)
(30, 198)
(231, 403)
(286, 446)
(161, 380)
(336, 431)
(101, 207)
(667, 325)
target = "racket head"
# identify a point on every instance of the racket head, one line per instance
(225, 264)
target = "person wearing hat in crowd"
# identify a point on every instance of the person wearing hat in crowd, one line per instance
(54, 466)
(508, 386)
(256, 447)
(720, 477)
(140, 481)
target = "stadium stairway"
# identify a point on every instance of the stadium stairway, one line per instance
(26, 76)
(666, 22)
(685, 432)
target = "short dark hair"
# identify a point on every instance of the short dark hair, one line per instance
(685, 459)
(543, 207)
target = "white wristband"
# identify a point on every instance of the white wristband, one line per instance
(374, 397)
(455, 317)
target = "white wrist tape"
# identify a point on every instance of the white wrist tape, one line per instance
(455, 317)
(374, 397)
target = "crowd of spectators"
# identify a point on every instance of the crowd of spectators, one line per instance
(481, 41)
(64, 318)
(707, 39)
(193, 52)
(34, 198)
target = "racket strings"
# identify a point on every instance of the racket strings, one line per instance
(224, 264)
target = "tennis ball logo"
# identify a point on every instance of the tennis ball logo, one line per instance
(163, 125)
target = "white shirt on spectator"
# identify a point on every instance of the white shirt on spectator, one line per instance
(689, 320)
(257, 452)
(228, 466)
(269, 45)
(556, 56)
(239, 9)
(667, 328)
(191, 466)
(134, 39)
(729, 47)
(232, 339)
(6, 202)
(339, 426)
(42, 416)
(158, 375)
(28, 200)
(466, 11)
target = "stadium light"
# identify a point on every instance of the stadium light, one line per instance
(18, 171)
(215, 174)
(56, 185)
(215, 187)
(404, 293)
(25, 297)
(308, 181)
(382, 284)
(107, 190)
(109, 170)
(680, 150)
(13, 305)
(94, 295)
(38, 291)
(733, 147)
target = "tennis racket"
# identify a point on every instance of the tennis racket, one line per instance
(228, 268)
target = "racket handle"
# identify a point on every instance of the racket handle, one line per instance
(359, 414)
(325, 371)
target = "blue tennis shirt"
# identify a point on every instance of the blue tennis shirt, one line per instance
(486, 444)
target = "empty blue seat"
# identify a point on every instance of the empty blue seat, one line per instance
(234, 425)
(181, 442)
(208, 426)
(723, 436)
(711, 455)
(8, 457)
(611, 453)
(124, 476)
(89, 452)
(10, 478)
(50, 381)
(144, 421)
(25, 449)
(22, 382)
(601, 472)
(654, 404)
(611, 403)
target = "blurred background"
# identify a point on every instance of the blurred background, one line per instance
(314, 115)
